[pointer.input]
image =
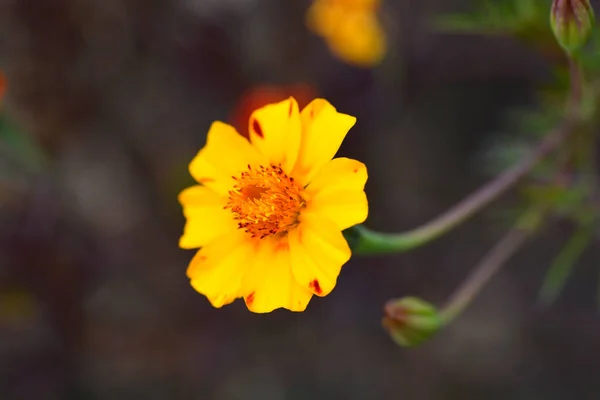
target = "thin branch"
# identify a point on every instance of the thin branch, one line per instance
(480, 276)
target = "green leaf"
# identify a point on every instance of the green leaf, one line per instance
(562, 266)
(520, 17)
(566, 200)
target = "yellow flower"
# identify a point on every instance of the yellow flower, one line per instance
(351, 29)
(269, 211)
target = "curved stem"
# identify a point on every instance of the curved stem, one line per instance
(371, 242)
(491, 263)
(528, 224)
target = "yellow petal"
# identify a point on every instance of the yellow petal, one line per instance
(226, 154)
(269, 283)
(206, 219)
(318, 250)
(275, 132)
(217, 269)
(358, 39)
(323, 130)
(337, 192)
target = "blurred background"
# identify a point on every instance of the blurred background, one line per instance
(106, 104)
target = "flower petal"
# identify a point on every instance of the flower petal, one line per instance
(323, 130)
(217, 269)
(269, 283)
(318, 250)
(275, 132)
(206, 219)
(337, 192)
(226, 154)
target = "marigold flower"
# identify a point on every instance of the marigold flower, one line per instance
(269, 211)
(351, 29)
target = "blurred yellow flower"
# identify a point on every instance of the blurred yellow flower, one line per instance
(351, 29)
(269, 211)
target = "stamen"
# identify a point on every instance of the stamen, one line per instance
(265, 201)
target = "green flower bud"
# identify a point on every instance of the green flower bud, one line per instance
(411, 321)
(572, 22)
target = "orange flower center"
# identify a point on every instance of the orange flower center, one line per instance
(265, 201)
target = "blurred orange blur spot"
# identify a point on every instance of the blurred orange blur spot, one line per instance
(260, 96)
(351, 29)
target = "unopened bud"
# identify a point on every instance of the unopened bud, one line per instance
(572, 22)
(411, 321)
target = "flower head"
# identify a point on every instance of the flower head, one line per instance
(351, 29)
(411, 321)
(269, 211)
(572, 22)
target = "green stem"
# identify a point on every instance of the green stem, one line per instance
(525, 227)
(371, 242)
(491, 264)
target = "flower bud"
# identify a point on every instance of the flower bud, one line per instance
(572, 22)
(411, 321)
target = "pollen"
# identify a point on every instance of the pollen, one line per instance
(266, 201)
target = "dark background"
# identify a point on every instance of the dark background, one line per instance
(118, 96)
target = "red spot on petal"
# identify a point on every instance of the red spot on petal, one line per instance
(257, 129)
(315, 286)
(250, 298)
(199, 258)
(355, 170)
(262, 95)
(206, 180)
(291, 108)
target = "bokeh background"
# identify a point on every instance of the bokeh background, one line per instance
(109, 100)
